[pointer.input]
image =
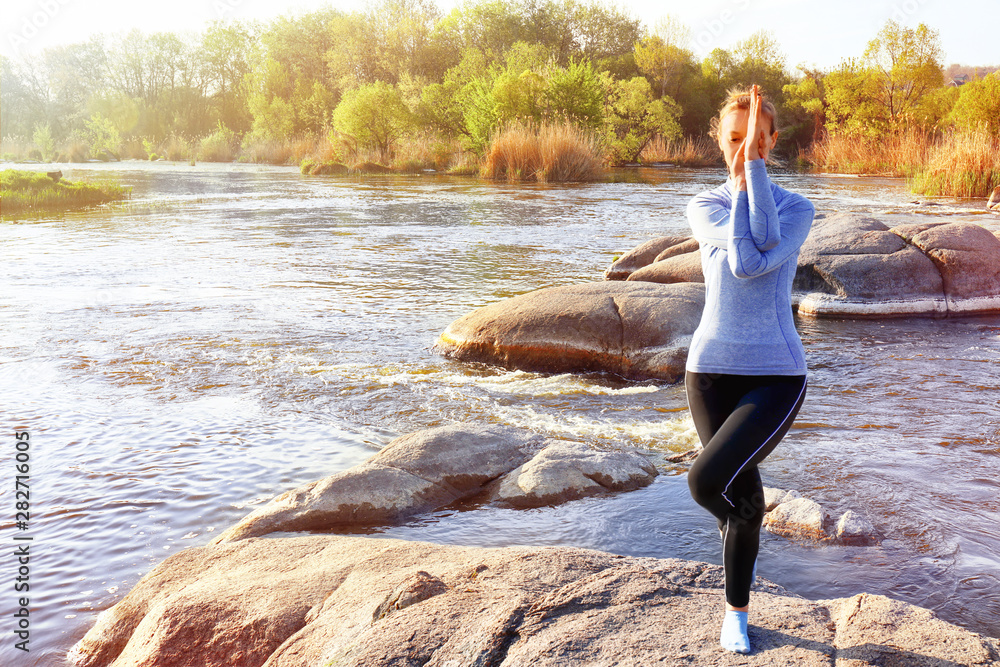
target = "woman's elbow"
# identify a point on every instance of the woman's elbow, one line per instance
(742, 271)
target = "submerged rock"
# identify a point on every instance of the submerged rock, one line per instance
(854, 529)
(428, 469)
(569, 470)
(357, 601)
(790, 515)
(798, 517)
(633, 329)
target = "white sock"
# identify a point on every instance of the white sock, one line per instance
(734, 632)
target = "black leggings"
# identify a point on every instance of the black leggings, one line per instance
(740, 420)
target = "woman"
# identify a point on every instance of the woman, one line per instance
(746, 371)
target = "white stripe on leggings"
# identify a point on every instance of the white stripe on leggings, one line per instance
(766, 440)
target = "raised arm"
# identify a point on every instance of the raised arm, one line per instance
(789, 224)
(765, 228)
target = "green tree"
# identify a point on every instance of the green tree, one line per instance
(577, 93)
(664, 55)
(22, 99)
(225, 54)
(373, 115)
(102, 135)
(805, 98)
(633, 117)
(906, 64)
(853, 106)
(978, 105)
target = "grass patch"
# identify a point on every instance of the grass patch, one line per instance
(27, 191)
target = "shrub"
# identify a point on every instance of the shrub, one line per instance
(220, 146)
(374, 115)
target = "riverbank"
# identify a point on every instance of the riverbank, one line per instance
(30, 191)
(359, 601)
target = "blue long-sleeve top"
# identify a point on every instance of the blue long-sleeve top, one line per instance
(750, 244)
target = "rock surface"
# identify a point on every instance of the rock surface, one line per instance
(570, 470)
(679, 268)
(435, 467)
(357, 601)
(852, 265)
(633, 329)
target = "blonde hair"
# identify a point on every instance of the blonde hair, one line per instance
(739, 98)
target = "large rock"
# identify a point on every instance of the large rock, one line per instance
(414, 473)
(569, 470)
(679, 268)
(853, 265)
(429, 469)
(642, 255)
(359, 601)
(798, 517)
(633, 329)
(856, 266)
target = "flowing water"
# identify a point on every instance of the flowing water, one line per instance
(236, 331)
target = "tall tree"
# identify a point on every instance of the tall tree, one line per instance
(907, 65)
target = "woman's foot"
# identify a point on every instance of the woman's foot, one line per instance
(734, 632)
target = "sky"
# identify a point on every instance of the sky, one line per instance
(810, 32)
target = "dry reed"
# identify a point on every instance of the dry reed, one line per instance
(550, 153)
(895, 154)
(965, 164)
(690, 152)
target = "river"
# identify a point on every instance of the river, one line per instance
(235, 331)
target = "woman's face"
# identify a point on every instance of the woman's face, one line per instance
(733, 130)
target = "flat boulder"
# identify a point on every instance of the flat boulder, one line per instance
(356, 601)
(637, 330)
(414, 473)
(564, 471)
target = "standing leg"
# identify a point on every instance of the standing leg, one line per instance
(740, 420)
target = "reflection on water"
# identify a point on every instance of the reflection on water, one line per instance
(235, 331)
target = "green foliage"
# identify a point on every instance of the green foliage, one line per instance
(102, 134)
(633, 117)
(220, 146)
(805, 106)
(853, 106)
(43, 141)
(577, 94)
(978, 105)
(23, 191)
(374, 116)
(905, 64)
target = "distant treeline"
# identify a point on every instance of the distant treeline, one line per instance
(401, 71)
